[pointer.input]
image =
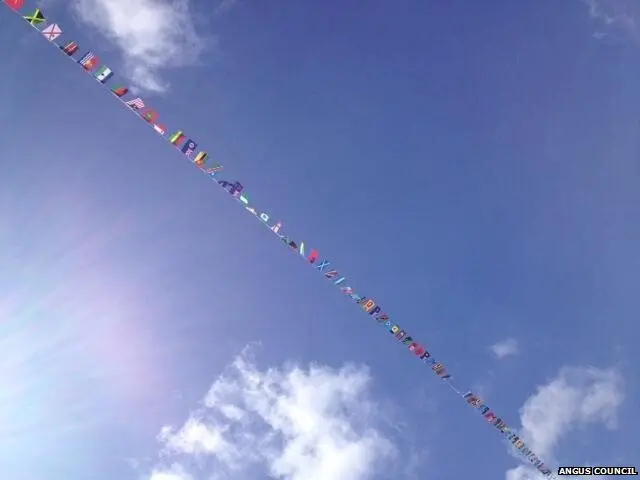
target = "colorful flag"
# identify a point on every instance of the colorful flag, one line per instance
(176, 137)
(35, 18)
(200, 158)
(70, 48)
(14, 4)
(103, 74)
(235, 191)
(52, 32)
(150, 116)
(136, 103)
(119, 91)
(159, 128)
(189, 147)
(89, 61)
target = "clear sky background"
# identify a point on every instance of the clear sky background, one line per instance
(473, 166)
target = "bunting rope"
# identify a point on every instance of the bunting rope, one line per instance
(188, 147)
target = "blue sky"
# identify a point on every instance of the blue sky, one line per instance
(473, 166)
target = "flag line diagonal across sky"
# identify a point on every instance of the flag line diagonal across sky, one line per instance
(89, 61)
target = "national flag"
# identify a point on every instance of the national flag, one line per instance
(103, 74)
(189, 147)
(313, 256)
(119, 91)
(235, 190)
(35, 18)
(52, 32)
(159, 128)
(70, 48)
(150, 116)
(14, 4)
(136, 103)
(200, 158)
(176, 137)
(89, 61)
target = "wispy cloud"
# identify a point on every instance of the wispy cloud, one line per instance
(174, 472)
(225, 5)
(290, 423)
(505, 348)
(615, 16)
(576, 397)
(153, 35)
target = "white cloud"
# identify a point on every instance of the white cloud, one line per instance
(153, 35)
(175, 472)
(291, 423)
(522, 473)
(225, 5)
(575, 398)
(616, 15)
(505, 348)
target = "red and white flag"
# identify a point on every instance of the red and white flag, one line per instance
(52, 32)
(14, 4)
(136, 103)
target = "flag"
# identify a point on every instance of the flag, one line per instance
(52, 32)
(235, 191)
(119, 91)
(136, 103)
(70, 48)
(159, 128)
(150, 116)
(189, 147)
(89, 61)
(103, 74)
(200, 158)
(14, 4)
(35, 18)
(176, 137)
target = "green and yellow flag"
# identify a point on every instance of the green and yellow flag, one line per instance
(35, 18)
(177, 137)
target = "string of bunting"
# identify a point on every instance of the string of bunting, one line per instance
(187, 146)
